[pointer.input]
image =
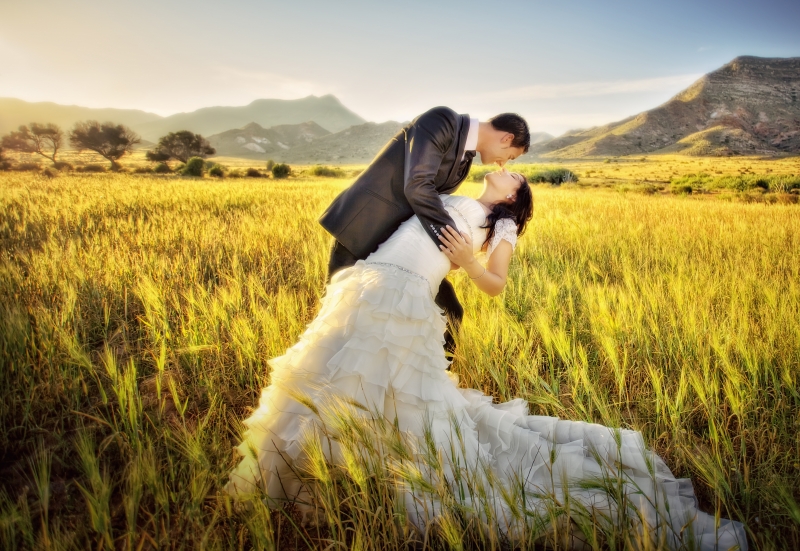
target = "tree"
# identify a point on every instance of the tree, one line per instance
(4, 165)
(108, 140)
(181, 145)
(44, 139)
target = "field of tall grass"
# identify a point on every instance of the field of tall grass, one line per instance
(138, 312)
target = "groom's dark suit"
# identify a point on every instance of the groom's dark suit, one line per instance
(421, 161)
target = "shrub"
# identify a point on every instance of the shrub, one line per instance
(692, 180)
(49, 173)
(270, 164)
(252, 173)
(216, 171)
(679, 189)
(556, 176)
(162, 168)
(27, 167)
(195, 166)
(236, 173)
(143, 170)
(91, 168)
(327, 172)
(281, 170)
(62, 165)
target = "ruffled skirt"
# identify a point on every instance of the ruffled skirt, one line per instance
(376, 347)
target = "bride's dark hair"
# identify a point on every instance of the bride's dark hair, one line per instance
(520, 211)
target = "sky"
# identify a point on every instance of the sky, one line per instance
(561, 64)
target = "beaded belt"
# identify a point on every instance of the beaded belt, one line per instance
(415, 274)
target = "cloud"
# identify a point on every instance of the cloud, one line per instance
(590, 88)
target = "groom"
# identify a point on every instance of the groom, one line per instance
(430, 156)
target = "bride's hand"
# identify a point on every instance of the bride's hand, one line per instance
(456, 246)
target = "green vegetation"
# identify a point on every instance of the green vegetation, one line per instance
(740, 182)
(138, 312)
(195, 166)
(535, 174)
(281, 170)
(325, 172)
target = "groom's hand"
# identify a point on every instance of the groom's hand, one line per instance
(456, 246)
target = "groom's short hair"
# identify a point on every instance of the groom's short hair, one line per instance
(516, 125)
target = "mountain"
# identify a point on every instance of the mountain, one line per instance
(540, 137)
(749, 106)
(15, 112)
(357, 144)
(327, 111)
(253, 140)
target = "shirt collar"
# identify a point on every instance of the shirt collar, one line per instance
(472, 135)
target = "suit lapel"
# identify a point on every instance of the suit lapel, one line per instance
(462, 131)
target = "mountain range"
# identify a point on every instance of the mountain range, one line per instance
(749, 106)
(327, 111)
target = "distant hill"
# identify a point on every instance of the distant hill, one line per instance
(749, 106)
(540, 137)
(326, 111)
(357, 144)
(308, 143)
(15, 112)
(255, 141)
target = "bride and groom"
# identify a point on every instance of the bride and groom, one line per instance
(380, 343)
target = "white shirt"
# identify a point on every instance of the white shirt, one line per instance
(472, 137)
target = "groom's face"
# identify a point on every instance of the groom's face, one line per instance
(499, 150)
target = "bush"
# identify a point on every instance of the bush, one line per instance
(236, 173)
(162, 168)
(27, 167)
(195, 166)
(270, 164)
(694, 181)
(62, 165)
(252, 173)
(49, 173)
(679, 189)
(556, 176)
(327, 172)
(91, 168)
(216, 171)
(143, 170)
(281, 170)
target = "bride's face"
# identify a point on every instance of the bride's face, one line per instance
(503, 183)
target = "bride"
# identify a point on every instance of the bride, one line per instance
(376, 346)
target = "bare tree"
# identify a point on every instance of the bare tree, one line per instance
(3, 163)
(111, 141)
(181, 145)
(44, 139)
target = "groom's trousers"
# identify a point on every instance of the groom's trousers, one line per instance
(446, 298)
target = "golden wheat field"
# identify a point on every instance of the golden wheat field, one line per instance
(138, 313)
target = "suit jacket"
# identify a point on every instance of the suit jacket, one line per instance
(420, 162)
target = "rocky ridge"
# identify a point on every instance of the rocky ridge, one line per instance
(748, 107)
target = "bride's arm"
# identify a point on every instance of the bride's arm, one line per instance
(491, 279)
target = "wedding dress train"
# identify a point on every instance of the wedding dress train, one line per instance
(377, 341)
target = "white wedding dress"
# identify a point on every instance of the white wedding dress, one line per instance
(377, 340)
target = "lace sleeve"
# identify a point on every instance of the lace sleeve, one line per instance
(504, 229)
